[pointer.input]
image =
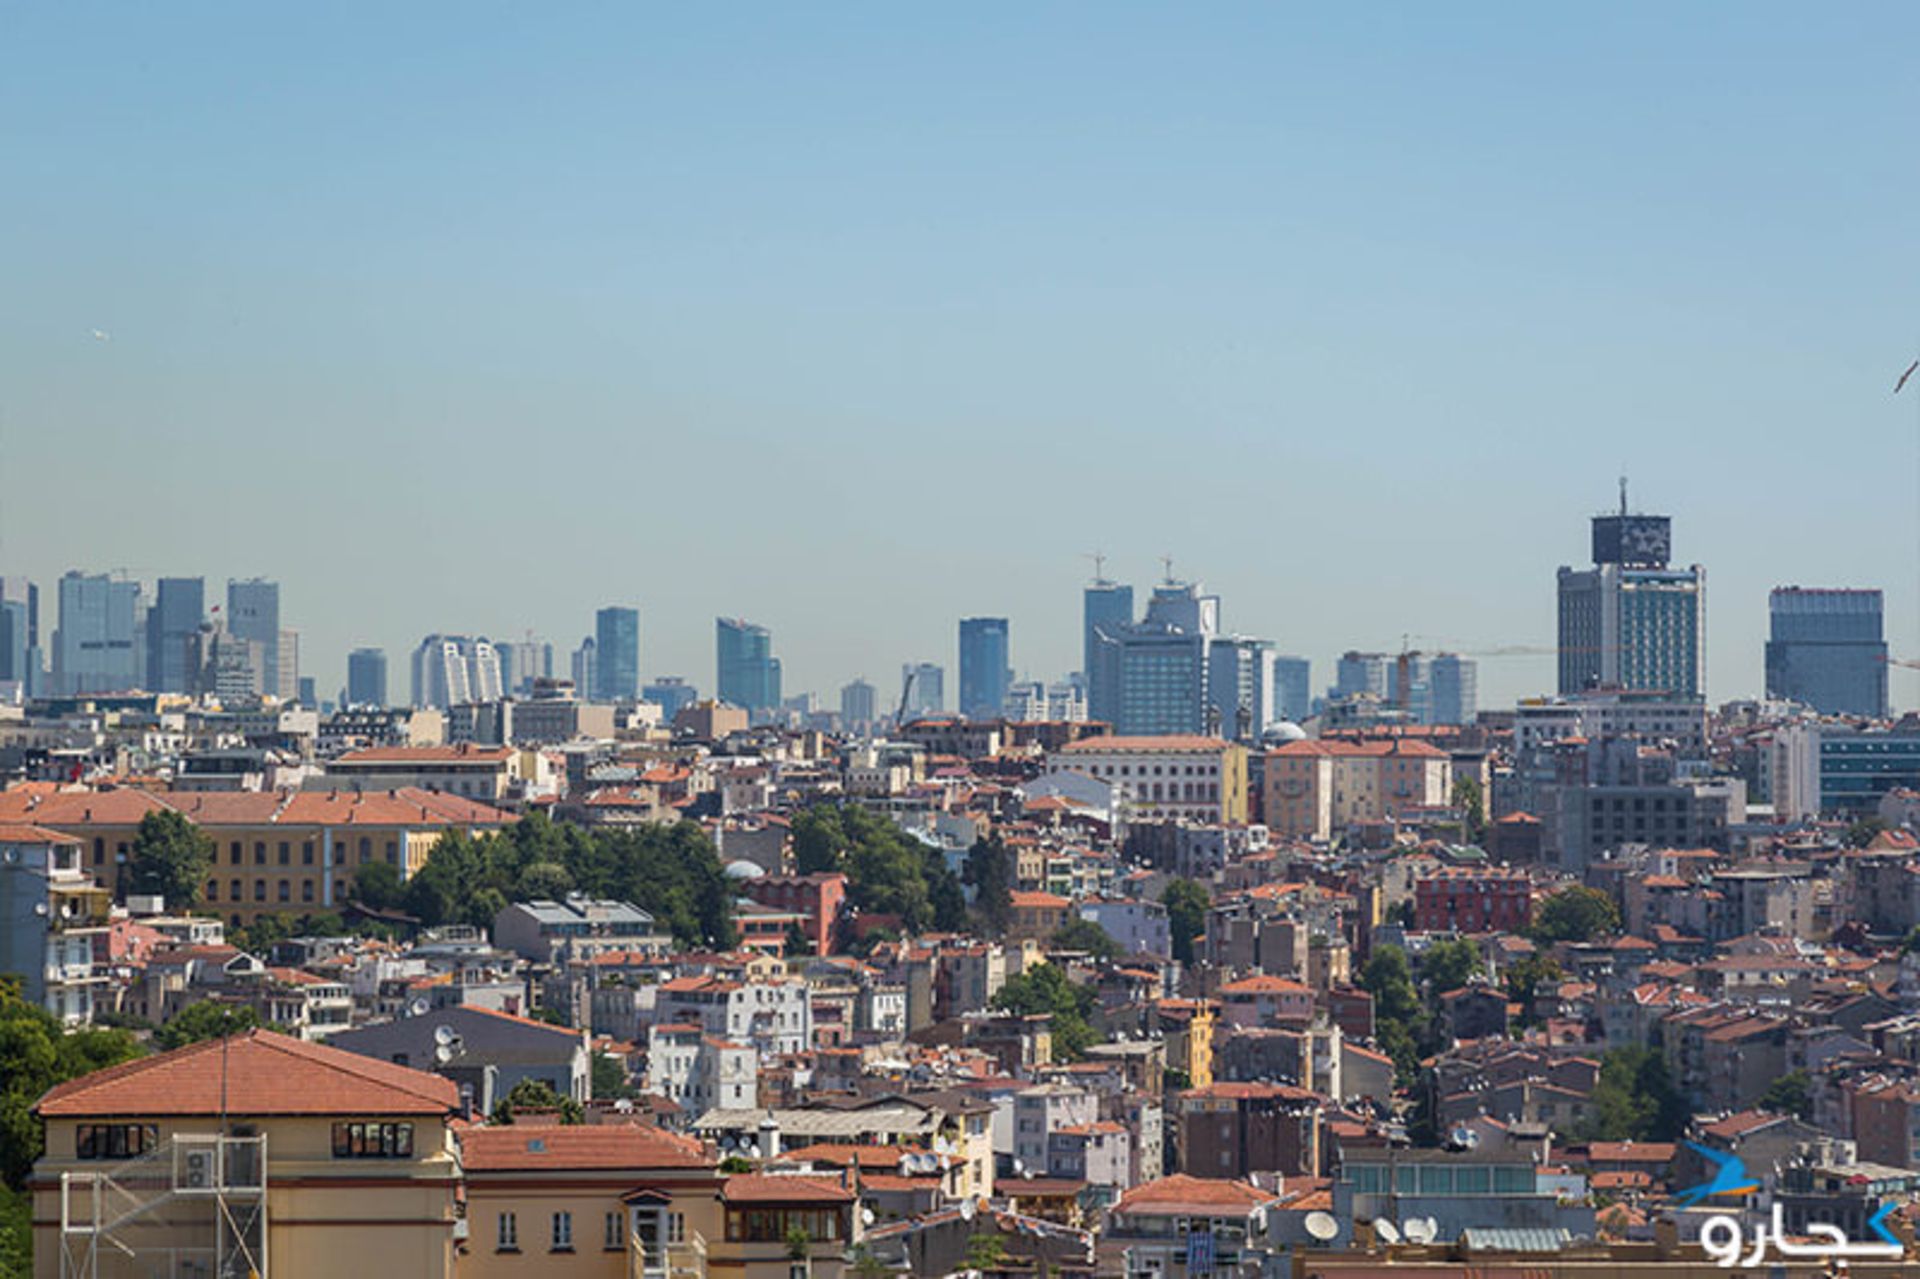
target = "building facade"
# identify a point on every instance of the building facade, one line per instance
(367, 677)
(749, 673)
(985, 670)
(1632, 620)
(1827, 650)
(616, 646)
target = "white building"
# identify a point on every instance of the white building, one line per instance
(1043, 1110)
(775, 1017)
(700, 1071)
(1137, 925)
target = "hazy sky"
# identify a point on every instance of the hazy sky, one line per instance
(858, 319)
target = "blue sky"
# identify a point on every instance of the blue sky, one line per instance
(859, 319)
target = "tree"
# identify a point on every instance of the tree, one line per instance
(537, 1094)
(799, 1243)
(1187, 904)
(1861, 831)
(377, 886)
(1449, 964)
(989, 872)
(1790, 1094)
(544, 881)
(1634, 1100)
(35, 1054)
(170, 858)
(1576, 914)
(1044, 988)
(1528, 973)
(796, 941)
(205, 1020)
(1085, 935)
(1469, 800)
(610, 1079)
(864, 1265)
(985, 1251)
(1399, 1020)
(733, 1165)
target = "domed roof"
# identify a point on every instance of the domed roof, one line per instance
(1285, 731)
(744, 870)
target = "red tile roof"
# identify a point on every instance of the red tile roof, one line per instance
(568, 1147)
(264, 1074)
(1182, 743)
(27, 833)
(1171, 1196)
(753, 1187)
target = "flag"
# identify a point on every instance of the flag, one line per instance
(1904, 376)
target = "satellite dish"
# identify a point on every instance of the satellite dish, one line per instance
(1432, 1225)
(443, 1035)
(1322, 1226)
(1019, 1166)
(1388, 1232)
(442, 1054)
(967, 1209)
(866, 1215)
(1416, 1231)
(418, 1008)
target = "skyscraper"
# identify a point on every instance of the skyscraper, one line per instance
(173, 631)
(1357, 673)
(1632, 621)
(20, 652)
(749, 673)
(367, 677)
(253, 613)
(1105, 607)
(1453, 695)
(858, 701)
(1292, 688)
(452, 670)
(1173, 671)
(287, 665)
(616, 635)
(669, 693)
(984, 670)
(98, 648)
(524, 661)
(1827, 650)
(925, 686)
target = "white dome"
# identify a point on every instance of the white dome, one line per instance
(1285, 731)
(744, 870)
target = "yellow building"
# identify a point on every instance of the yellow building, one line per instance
(294, 851)
(297, 1159)
(1165, 778)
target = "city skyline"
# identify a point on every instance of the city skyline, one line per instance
(1623, 257)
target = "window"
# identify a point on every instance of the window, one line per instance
(286, 851)
(286, 891)
(306, 853)
(306, 890)
(213, 890)
(366, 850)
(233, 853)
(99, 850)
(563, 1232)
(509, 1238)
(259, 852)
(373, 1141)
(115, 1141)
(259, 890)
(234, 890)
(613, 1232)
(676, 1227)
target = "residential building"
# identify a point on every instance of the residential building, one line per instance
(476, 772)
(1472, 899)
(1454, 690)
(749, 673)
(99, 647)
(173, 629)
(1240, 1129)
(578, 928)
(701, 1072)
(253, 614)
(1316, 788)
(1632, 620)
(285, 1157)
(776, 1017)
(1200, 779)
(819, 900)
(1154, 1228)
(616, 647)
(483, 1052)
(50, 911)
(985, 669)
(1827, 650)
(367, 677)
(1041, 1111)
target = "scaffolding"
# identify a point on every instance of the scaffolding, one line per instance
(192, 1207)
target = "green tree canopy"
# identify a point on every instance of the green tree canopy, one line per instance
(888, 871)
(1468, 799)
(36, 1054)
(1399, 1018)
(536, 1095)
(1790, 1094)
(377, 886)
(1085, 935)
(610, 1079)
(170, 857)
(205, 1020)
(989, 872)
(1529, 972)
(1634, 1100)
(1187, 904)
(1449, 964)
(1576, 914)
(1045, 988)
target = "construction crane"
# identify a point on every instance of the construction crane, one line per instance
(906, 691)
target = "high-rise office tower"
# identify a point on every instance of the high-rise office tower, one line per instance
(749, 672)
(1105, 608)
(1632, 621)
(1292, 688)
(451, 670)
(1453, 684)
(669, 693)
(173, 630)
(925, 686)
(287, 665)
(1356, 673)
(616, 635)
(483, 670)
(857, 703)
(524, 661)
(309, 696)
(984, 669)
(584, 669)
(1827, 649)
(253, 613)
(99, 647)
(226, 666)
(20, 652)
(367, 677)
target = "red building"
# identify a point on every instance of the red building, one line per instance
(819, 899)
(1470, 899)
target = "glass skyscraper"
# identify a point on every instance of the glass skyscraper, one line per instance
(1827, 650)
(20, 658)
(1106, 608)
(98, 648)
(749, 673)
(253, 613)
(1632, 621)
(984, 670)
(173, 633)
(367, 677)
(616, 645)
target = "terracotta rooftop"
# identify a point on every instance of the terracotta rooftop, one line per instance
(264, 1074)
(1170, 1196)
(752, 1187)
(520, 1147)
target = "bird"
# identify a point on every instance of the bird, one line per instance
(1729, 1178)
(101, 335)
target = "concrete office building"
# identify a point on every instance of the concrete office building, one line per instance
(1175, 672)
(1827, 650)
(99, 647)
(173, 629)
(1632, 620)
(288, 666)
(253, 613)
(749, 673)
(858, 703)
(616, 636)
(926, 687)
(985, 670)
(367, 677)
(1453, 690)
(670, 693)
(523, 663)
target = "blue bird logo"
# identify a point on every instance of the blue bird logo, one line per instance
(1729, 1178)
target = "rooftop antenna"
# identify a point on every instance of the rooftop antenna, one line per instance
(1166, 562)
(1623, 495)
(1099, 559)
